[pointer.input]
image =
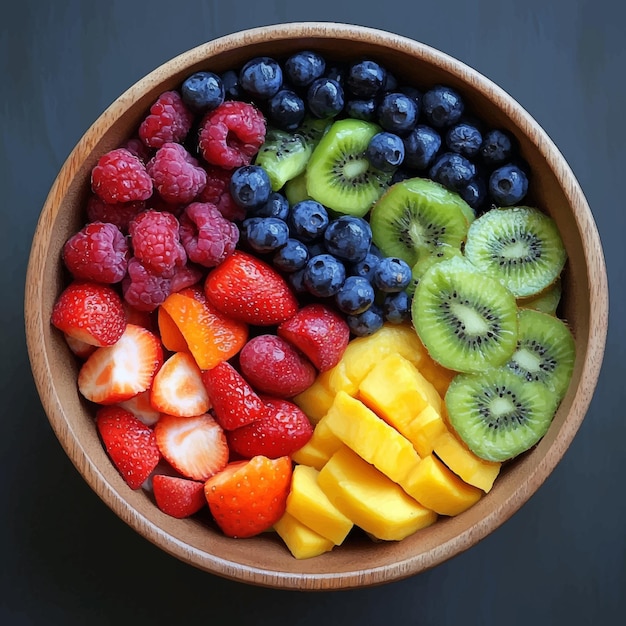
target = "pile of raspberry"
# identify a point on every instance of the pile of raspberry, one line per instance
(161, 212)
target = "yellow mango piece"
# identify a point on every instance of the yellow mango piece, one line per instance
(338, 379)
(309, 454)
(371, 438)
(303, 543)
(371, 500)
(464, 463)
(439, 376)
(319, 448)
(425, 429)
(310, 505)
(437, 488)
(316, 400)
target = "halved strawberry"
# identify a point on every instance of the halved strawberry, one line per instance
(78, 347)
(284, 430)
(121, 371)
(178, 497)
(248, 497)
(234, 401)
(177, 388)
(90, 312)
(141, 407)
(194, 446)
(130, 444)
(249, 290)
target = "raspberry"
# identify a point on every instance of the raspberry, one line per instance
(143, 290)
(156, 242)
(98, 252)
(120, 214)
(208, 237)
(217, 192)
(120, 176)
(176, 174)
(186, 276)
(138, 148)
(231, 134)
(169, 120)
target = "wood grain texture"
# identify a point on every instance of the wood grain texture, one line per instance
(263, 560)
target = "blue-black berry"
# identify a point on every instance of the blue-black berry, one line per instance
(421, 146)
(265, 234)
(453, 171)
(392, 274)
(250, 186)
(261, 77)
(308, 220)
(348, 238)
(464, 139)
(286, 110)
(442, 106)
(366, 79)
(508, 185)
(497, 147)
(355, 296)
(397, 113)
(291, 257)
(366, 323)
(385, 151)
(325, 98)
(203, 91)
(302, 68)
(366, 267)
(324, 275)
(397, 307)
(276, 206)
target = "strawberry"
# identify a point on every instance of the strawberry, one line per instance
(90, 312)
(249, 497)
(194, 446)
(119, 372)
(141, 407)
(78, 347)
(284, 430)
(130, 444)
(319, 332)
(249, 290)
(273, 366)
(177, 388)
(178, 497)
(234, 401)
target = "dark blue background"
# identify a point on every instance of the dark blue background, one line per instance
(65, 558)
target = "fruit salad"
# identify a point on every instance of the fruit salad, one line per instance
(311, 298)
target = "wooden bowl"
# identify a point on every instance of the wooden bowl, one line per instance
(264, 560)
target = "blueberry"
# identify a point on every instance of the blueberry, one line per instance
(361, 109)
(385, 151)
(475, 193)
(265, 234)
(286, 110)
(464, 139)
(308, 220)
(203, 91)
(401, 174)
(508, 185)
(453, 171)
(366, 79)
(337, 72)
(397, 113)
(366, 323)
(316, 247)
(497, 147)
(348, 238)
(366, 267)
(291, 257)
(324, 275)
(392, 274)
(276, 206)
(412, 93)
(355, 296)
(325, 98)
(421, 146)
(397, 307)
(302, 68)
(232, 88)
(250, 186)
(296, 281)
(261, 77)
(391, 82)
(442, 106)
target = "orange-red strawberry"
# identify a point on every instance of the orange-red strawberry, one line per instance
(194, 446)
(249, 290)
(284, 430)
(178, 497)
(90, 312)
(249, 497)
(141, 407)
(119, 372)
(234, 401)
(130, 444)
(177, 388)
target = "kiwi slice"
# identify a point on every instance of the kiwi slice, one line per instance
(295, 189)
(417, 216)
(521, 246)
(467, 320)
(283, 156)
(497, 414)
(545, 351)
(313, 129)
(440, 253)
(546, 302)
(338, 174)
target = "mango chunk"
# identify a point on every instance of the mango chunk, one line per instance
(425, 429)
(439, 376)
(371, 500)
(371, 438)
(302, 542)
(465, 463)
(316, 400)
(437, 488)
(319, 448)
(310, 505)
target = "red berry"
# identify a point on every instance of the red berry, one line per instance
(120, 176)
(178, 497)
(176, 174)
(217, 192)
(142, 289)
(138, 148)
(231, 134)
(207, 236)
(97, 252)
(185, 276)
(169, 121)
(120, 214)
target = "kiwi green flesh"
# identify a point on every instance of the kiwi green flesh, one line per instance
(338, 174)
(313, 129)
(283, 156)
(521, 246)
(545, 351)
(545, 302)
(497, 414)
(440, 253)
(466, 320)
(417, 216)
(295, 189)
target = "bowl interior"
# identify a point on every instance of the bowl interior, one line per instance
(264, 560)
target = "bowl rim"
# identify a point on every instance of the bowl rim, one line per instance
(35, 320)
